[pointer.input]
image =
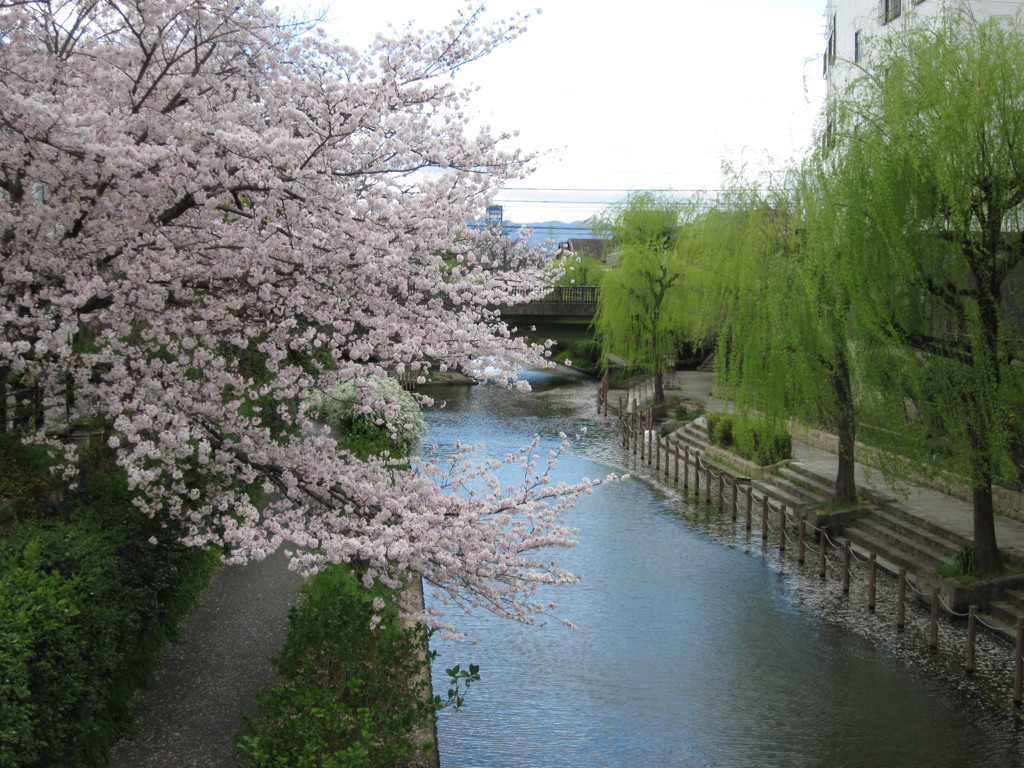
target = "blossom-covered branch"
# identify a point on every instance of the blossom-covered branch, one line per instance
(207, 218)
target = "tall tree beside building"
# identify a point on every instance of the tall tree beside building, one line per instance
(928, 174)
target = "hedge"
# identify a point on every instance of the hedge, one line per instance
(755, 441)
(86, 604)
(349, 693)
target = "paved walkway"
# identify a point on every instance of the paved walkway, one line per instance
(189, 713)
(942, 510)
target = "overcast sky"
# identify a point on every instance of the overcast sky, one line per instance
(642, 94)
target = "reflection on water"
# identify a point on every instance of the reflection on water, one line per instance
(694, 648)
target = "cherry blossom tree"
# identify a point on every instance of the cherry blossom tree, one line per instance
(209, 215)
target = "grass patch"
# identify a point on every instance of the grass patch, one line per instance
(832, 507)
(682, 411)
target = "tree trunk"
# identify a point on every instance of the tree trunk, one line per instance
(846, 428)
(846, 483)
(659, 388)
(986, 553)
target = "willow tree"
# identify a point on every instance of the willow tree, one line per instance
(780, 317)
(929, 181)
(641, 312)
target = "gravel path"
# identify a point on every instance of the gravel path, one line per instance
(189, 713)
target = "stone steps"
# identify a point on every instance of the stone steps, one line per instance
(1005, 609)
(898, 538)
(902, 540)
(800, 484)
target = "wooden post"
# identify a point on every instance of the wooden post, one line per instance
(657, 451)
(933, 636)
(802, 543)
(750, 504)
(675, 478)
(707, 484)
(686, 466)
(636, 430)
(901, 601)
(782, 528)
(1018, 663)
(696, 478)
(846, 567)
(735, 490)
(972, 628)
(872, 576)
(643, 441)
(822, 542)
(764, 518)
(721, 491)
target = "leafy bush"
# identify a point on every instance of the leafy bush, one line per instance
(351, 688)
(761, 443)
(25, 473)
(755, 441)
(42, 659)
(86, 602)
(584, 354)
(720, 429)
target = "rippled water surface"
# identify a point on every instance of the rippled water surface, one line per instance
(697, 645)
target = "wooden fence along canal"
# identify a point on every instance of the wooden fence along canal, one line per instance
(673, 461)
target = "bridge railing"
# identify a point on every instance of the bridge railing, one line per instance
(566, 294)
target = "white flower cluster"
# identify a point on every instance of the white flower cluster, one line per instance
(382, 402)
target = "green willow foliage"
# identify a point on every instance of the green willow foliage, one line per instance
(645, 307)
(926, 188)
(780, 318)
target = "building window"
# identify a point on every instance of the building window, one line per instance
(891, 9)
(858, 46)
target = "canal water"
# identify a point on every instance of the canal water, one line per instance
(697, 645)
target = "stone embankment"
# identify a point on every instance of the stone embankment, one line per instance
(905, 524)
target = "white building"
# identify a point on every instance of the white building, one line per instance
(853, 24)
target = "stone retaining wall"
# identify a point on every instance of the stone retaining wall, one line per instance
(1007, 503)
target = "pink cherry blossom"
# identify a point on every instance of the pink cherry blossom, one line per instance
(237, 215)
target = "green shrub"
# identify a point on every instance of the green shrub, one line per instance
(349, 695)
(43, 673)
(758, 442)
(761, 443)
(25, 473)
(720, 429)
(117, 597)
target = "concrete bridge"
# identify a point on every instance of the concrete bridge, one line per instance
(564, 313)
